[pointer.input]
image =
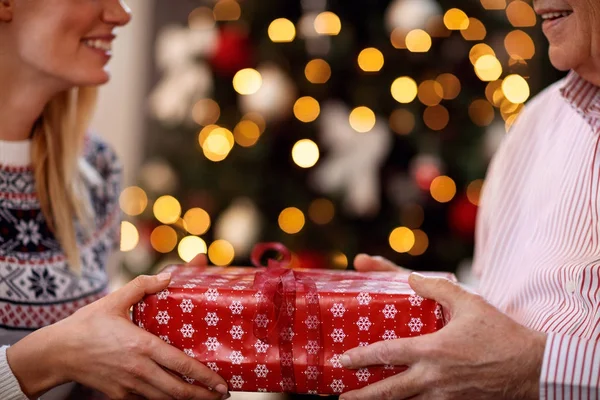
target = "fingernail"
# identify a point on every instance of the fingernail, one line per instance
(225, 397)
(416, 276)
(222, 389)
(163, 276)
(345, 360)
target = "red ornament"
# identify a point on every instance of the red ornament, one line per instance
(233, 52)
(463, 217)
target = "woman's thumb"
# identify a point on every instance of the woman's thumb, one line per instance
(134, 291)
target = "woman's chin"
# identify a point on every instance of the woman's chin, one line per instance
(561, 59)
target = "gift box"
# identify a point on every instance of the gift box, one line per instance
(274, 329)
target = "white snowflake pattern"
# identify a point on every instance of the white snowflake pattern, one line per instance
(338, 335)
(28, 232)
(311, 372)
(239, 287)
(165, 338)
(287, 334)
(187, 330)
(163, 317)
(389, 335)
(364, 298)
(186, 305)
(415, 324)
(338, 310)
(287, 384)
(236, 332)
(415, 300)
(388, 366)
(363, 323)
(236, 357)
(142, 306)
(312, 347)
(312, 322)
(221, 280)
(261, 371)
(363, 375)
(312, 297)
(189, 380)
(262, 390)
(363, 344)
(212, 344)
(337, 386)
(211, 294)
(237, 382)
(438, 312)
(163, 294)
(261, 347)
(213, 366)
(290, 309)
(189, 285)
(287, 359)
(389, 311)
(189, 352)
(260, 297)
(340, 290)
(236, 307)
(335, 361)
(261, 321)
(212, 319)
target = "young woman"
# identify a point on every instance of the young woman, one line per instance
(59, 220)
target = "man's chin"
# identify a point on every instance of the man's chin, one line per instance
(561, 59)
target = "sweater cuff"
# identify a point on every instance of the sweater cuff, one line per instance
(9, 386)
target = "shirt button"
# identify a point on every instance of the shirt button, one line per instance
(571, 286)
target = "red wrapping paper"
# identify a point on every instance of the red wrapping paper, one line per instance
(278, 330)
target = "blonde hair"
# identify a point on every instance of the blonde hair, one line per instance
(57, 150)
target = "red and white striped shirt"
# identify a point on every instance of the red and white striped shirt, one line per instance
(538, 250)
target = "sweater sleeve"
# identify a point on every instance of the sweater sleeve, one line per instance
(571, 368)
(9, 386)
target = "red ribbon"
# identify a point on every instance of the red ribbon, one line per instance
(279, 286)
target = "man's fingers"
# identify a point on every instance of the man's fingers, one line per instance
(133, 292)
(199, 261)
(402, 386)
(366, 263)
(403, 351)
(442, 290)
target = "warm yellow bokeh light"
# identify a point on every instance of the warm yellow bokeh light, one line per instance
(519, 44)
(247, 81)
(201, 18)
(421, 243)
(321, 211)
(218, 144)
(327, 23)
(430, 92)
(197, 221)
(402, 239)
(493, 4)
(227, 10)
(305, 153)
(491, 88)
(398, 38)
(402, 121)
(515, 89)
(190, 246)
(246, 133)
(450, 86)
(436, 28)
(258, 119)
(456, 20)
(163, 239)
(520, 14)
(404, 90)
(317, 71)
(475, 31)
(418, 41)
(306, 109)
(221, 253)
(339, 260)
(481, 112)
(370, 60)
(443, 189)
(130, 236)
(291, 220)
(362, 119)
(167, 209)
(488, 68)
(412, 216)
(474, 191)
(282, 30)
(205, 132)
(480, 49)
(436, 118)
(133, 200)
(206, 112)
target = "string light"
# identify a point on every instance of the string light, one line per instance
(421, 243)
(430, 92)
(227, 10)
(493, 4)
(481, 112)
(206, 112)
(321, 211)
(418, 41)
(402, 239)
(488, 68)
(197, 221)
(404, 89)
(443, 189)
(402, 121)
(189, 247)
(327, 23)
(130, 236)
(370, 60)
(221, 253)
(133, 200)
(246, 133)
(519, 44)
(163, 239)
(305, 153)
(306, 109)
(167, 209)
(291, 220)
(362, 119)
(436, 118)
(450, 86)
(474, 191)
(282, 30)
(515, 89)
(520, 14)
(247, 81)
(317, 71)
(456, 20)
(475, 31)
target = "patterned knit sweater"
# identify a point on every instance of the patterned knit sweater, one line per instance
(36, 286)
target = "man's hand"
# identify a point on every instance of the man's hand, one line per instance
(480, 354)
(367, 263)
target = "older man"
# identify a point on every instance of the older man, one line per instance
(537, 333)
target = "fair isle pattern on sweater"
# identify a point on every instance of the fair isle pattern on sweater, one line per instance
(36, 286)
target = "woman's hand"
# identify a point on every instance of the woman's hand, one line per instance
(99, 347)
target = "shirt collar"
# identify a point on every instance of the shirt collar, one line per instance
(582, 95)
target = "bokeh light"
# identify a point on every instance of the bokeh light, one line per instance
(197, 221)
(436, 118)
(412, 215)
(206, 112)
(201, 18)
(480, 49)
(421, 243)
(475, 31)
(370, 60)
(520, 14)
(190, 246)
(321, 211)
(402, 239)
(450, 86)
(306, 109)
(317, 71)
(130, 236)
(493, 4)
(398, 38)
(402, 121)
(227, 10)
(218, 144)
(247, 81)
(436, 28)
(258, 119)
(305, 153)
(519, 44)
(282, 30)
(133, 200)
(404, 89)
(221, 253)
(490, 90)
(246, 133)
(418, 41)
(362, 119)
(167, 209)
(163, 239)
(443, 189)
(488, 68)
(481, 112)
(339, 260)
(430, 92)
(515, 89)
(291, 220)
(474, 191)
(456, 20)
(327, 23)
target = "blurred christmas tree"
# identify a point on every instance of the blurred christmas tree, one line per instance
(335, 127)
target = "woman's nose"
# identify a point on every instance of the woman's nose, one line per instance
(116, 12)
